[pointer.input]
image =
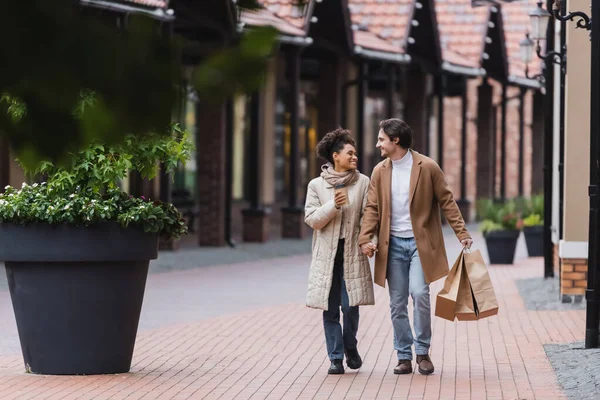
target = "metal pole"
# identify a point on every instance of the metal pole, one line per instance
(229, 126)
(391, 90)
(254, 147)
(503, 145)
(561, 128)
(463, 144)
(441, 93)
(294, 80)
(548, 150)
(593, 284)
(363, 85)
(521, 140)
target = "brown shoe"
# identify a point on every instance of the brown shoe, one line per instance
(425, 364)
(403, 367)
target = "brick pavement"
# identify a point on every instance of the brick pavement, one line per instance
(278, 352)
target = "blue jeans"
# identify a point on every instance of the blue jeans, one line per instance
(405, 276)
(335, 339)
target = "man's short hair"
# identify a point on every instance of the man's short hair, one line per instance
(396, 128)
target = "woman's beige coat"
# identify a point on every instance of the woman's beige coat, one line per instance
(322, 216)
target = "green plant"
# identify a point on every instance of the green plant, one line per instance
(533, 220)
(536, 205)
(86, 190)
(498, 216)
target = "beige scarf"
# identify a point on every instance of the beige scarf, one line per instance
(335, 178)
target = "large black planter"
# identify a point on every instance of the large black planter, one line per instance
(501, 246)
(534, 238)
(77, 294)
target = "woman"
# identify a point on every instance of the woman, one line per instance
(340, 274)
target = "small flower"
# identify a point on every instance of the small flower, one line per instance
(34, 185)
(72, 195)
(67, 206)
(24, 185)
(7, 187)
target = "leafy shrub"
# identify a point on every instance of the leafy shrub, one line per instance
(86, 190)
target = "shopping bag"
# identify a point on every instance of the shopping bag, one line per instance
(446, 299)
(483, 295)
(466, 306)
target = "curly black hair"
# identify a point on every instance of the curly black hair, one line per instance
(334, 142)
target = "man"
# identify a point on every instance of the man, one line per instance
(402, 223)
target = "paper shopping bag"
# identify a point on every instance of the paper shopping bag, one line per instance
(466, 307)
(446, 299)
(484, 297)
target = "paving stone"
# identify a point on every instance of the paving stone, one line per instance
(576, 369)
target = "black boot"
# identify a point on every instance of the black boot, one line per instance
(336, 368)
(353, 359)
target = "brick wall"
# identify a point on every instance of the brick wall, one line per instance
(573, 279)
(555, 260)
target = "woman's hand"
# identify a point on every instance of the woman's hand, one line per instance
(340, 199)
(368, 249)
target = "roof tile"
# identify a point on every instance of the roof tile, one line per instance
(462, 29)
(265, 17)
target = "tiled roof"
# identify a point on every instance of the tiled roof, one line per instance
(149, 3)
(369, 40)
(265, 17)
(388, 19)
(286, 10)
(516, 24)
(462, 31)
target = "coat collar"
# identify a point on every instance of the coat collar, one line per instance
(414, 174)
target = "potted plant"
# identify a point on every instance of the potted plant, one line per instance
(500, 227)
(77, 250)
(533, 226)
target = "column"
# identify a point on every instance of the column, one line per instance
(415, 100)
(503, 145)
(292, 224)
(256, 217)
(485, 142)
(330, 95)
(210, 173)
(463, 203)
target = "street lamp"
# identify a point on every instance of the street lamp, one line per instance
(526, 46)
(539, 18)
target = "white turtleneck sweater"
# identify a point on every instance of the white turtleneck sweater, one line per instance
(401, 225)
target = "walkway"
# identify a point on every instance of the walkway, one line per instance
(241, 331)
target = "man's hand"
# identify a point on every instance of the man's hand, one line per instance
(368, 249)
(340, 199)
(466, 243)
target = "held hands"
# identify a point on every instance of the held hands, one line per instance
(368, 249)
(340, 199)
(466, 243)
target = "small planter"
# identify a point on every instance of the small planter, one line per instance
(534, 236)
(77, 294)
(501, 246)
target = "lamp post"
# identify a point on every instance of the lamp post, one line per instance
(592, 294)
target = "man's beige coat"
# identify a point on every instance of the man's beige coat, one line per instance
(326, 220)
(428, 193)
